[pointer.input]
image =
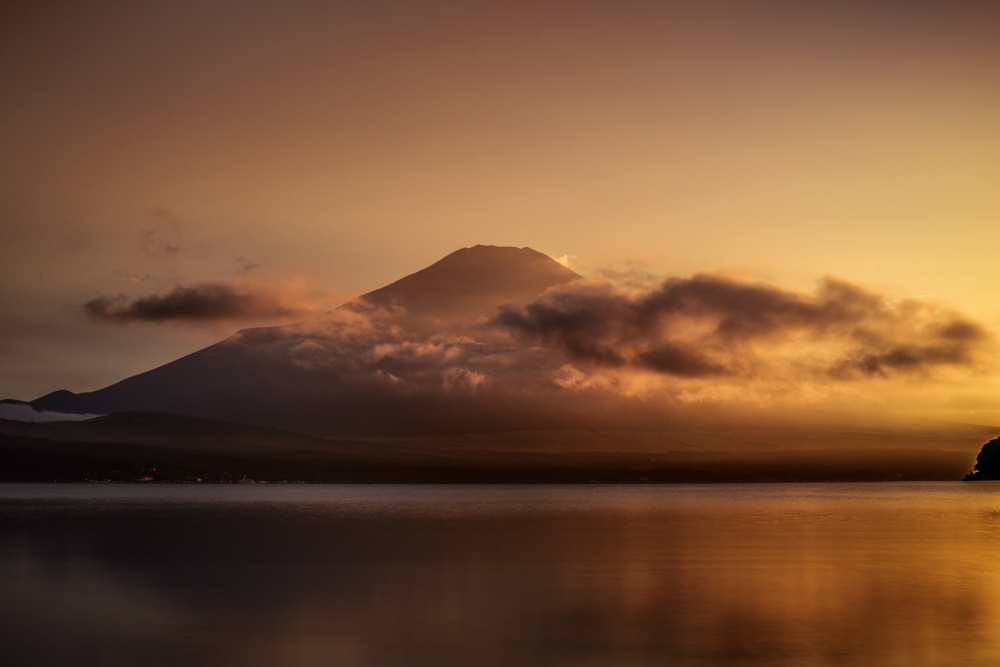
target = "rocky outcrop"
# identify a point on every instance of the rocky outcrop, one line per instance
(987, 463)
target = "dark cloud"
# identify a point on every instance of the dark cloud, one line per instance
(905, 358)
(199, 302)
(713, 326)
(678, 360)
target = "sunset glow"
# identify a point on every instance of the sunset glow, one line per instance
(318, 152)
(500, 333)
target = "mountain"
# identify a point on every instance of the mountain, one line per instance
(420, 381)
(424, 362)
(411, 357)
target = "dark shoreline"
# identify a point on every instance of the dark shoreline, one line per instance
(24, 459)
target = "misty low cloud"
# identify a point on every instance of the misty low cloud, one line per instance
(410, 362)
(710, 326)
(25, 413)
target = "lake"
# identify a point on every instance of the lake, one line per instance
(763, 574)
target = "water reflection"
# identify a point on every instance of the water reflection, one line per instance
(895, 574)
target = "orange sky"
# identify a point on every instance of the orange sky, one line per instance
(343, 145)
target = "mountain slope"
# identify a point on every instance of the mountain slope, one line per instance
(377, 365)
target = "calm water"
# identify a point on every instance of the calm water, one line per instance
(837, 574)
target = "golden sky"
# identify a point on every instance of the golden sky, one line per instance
(336, 147)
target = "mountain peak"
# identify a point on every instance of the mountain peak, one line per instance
(471, 283)
(495, 256)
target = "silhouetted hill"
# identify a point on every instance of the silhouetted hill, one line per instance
(987, 465)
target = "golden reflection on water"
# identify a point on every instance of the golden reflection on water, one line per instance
(900, 574)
